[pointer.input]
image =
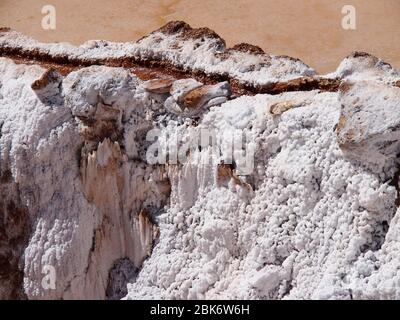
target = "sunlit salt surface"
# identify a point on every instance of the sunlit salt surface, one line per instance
(310, 30)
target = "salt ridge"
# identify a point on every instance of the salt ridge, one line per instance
(317, 218)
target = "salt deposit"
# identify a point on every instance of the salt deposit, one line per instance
(315, 218)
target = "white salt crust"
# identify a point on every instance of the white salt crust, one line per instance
(313, 220)
(312, 228)
(192, 54)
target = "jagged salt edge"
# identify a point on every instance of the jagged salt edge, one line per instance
(195, 55)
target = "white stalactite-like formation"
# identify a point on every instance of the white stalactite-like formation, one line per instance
(316, 218)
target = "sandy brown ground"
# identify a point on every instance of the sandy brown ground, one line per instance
(308, 29)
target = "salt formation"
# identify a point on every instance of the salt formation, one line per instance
(363, 133)
(315, 218)
(69, 141)
(189, 98)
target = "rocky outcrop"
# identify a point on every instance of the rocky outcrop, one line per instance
(159, 86)
(191, 98)
(368, 123)
(362, 66)
(179, 50)
(72, 198)
(296, 197)
(309, 222)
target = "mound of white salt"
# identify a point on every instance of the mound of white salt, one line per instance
(311, 212)
(313, 227)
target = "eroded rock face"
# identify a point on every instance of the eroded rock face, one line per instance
(187, 97)
(306, 216)
(14, 235)
(312, 213)
(190, 98)
(81, 211)
(176, 47)
(362, 66)
(123, 272)
(160, 86)
(121, 231)
(369, 123)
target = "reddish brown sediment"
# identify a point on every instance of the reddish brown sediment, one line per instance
(299, 84)
(225, 174)
(49, 76)
(247, 48)
(362, 54)
(276, 26)
(62, 69)
(158, 69)
(155, 68)
(185, 32)
(159, 85)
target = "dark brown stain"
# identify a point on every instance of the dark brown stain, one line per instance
(345, 87)
(14, 234)
(362, 54)
(299, 84)
(5, 176)
(185, 31)
(247, 48)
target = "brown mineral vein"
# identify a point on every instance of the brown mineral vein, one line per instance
(147, 69)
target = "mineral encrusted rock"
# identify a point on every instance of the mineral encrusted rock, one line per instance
(315, 217)
(369, 122)
(189, 98)
(83, 195)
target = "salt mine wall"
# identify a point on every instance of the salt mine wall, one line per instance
(305, 207)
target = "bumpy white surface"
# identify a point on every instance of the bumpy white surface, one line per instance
(312, 228)
(310, 221)
(83, 214)
(202, 54)
(189, 54)
(365, 67)
(369, 125)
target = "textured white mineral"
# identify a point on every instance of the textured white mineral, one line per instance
(316, 218)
